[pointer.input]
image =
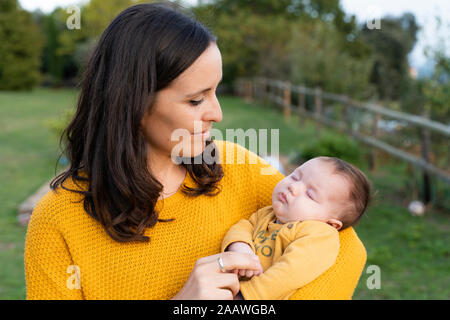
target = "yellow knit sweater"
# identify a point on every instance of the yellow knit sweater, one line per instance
(68, 255)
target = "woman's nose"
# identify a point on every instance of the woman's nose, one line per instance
(214, 112)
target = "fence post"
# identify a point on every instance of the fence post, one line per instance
(239, 86)
(346, 115)
(255, 88)
(425, 148)
(302, 104)
(373, 151)
(318, 108)
(263, 89)
(287, 100)
(248, 90)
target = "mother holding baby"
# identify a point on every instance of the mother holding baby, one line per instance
(127, 221)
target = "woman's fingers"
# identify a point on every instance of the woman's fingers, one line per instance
(236, 260)
(228, 281)
(209, 281)
(232, 260)
(224, 294)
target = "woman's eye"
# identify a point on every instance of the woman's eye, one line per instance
(309, 194)
(195, 102)
(295, 178)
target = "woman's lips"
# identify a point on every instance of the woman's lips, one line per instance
(204, 134)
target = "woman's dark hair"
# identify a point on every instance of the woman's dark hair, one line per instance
(143, 49)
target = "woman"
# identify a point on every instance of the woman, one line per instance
(127, 221)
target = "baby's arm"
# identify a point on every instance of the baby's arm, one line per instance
(243, 247)
(314, 251)
(239, 238)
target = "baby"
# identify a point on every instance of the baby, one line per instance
(296, 238)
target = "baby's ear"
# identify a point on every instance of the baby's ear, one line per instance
(335, 223)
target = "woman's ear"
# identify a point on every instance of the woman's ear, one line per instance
(335, 223)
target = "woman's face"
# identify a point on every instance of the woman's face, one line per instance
(190, 98)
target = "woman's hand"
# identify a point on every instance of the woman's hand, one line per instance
(243, 247)
(207, 281)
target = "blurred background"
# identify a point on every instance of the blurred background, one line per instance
(366, 81)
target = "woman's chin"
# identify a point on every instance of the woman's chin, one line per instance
(197, 148)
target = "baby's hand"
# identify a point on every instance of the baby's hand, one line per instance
(243, 247)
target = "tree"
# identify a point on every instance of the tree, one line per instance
(20, 48)
(76, 45)
(391, 45)
(257, 46)
(272, 38)
(437, 87)
(431, 94)
(318, 60)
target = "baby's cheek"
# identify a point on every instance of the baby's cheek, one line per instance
(296, 211)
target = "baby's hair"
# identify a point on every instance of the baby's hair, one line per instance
(360, 190)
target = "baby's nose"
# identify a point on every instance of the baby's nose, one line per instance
(292, 189)
(295, 188)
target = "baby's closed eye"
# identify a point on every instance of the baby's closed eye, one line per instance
(310, 193)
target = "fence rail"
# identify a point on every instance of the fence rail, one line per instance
(282, 92)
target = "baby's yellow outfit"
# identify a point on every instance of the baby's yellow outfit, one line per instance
(291, 254)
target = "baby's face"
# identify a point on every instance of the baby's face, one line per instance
(311, 192)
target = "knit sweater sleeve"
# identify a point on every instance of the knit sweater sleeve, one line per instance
(339, 281)
(49, 269)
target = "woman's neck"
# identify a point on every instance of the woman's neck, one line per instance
(168, 173)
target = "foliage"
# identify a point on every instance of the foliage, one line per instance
(255, 48)
(319, 60)
(74, 46)
(56, 66)
(325, 10)
(332, 145)
(274, 39)
(391, 45)
(430, 95)
(20, 49)
(437, 88)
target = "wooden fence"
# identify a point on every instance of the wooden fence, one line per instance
(281, 93)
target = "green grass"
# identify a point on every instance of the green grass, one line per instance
(28, 152)
(412, 252)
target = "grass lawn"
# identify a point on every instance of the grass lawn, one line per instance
(28, 152)
(412, 252)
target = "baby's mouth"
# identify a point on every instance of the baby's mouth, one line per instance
(282, 197)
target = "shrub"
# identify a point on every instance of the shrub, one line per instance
(338, 146)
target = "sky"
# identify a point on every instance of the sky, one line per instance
(424, 10)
